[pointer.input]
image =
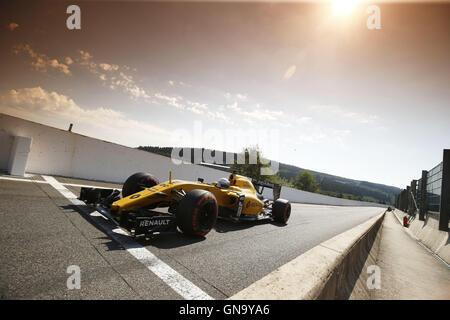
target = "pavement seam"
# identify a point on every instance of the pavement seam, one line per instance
(340, 252)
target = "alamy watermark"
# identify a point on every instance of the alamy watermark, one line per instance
(374, 278)
(74, 280)
(229, 139)
(374, 20)
(74, 20)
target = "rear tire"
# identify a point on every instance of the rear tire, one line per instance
(138, 182)
(281, 210)
(197, 212)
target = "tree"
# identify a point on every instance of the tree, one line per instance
(306, 181)
(249, 168)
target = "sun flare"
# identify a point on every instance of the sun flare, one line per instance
(342, 7)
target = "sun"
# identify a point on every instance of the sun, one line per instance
(342, 7)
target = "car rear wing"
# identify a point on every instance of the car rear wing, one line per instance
(260, 185)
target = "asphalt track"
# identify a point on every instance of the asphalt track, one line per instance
(43, 233)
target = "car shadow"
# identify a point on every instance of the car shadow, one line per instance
(84, 212)
(167, 240)
(162, 241)
(171, 241)
(223, 226)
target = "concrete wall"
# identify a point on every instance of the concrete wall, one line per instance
(6, 142)
(429, 234)
(347, 276)
(330, 270)
(295, 195)
(63, 153)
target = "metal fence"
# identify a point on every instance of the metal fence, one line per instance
(430, 194)
(434, 187)
(418, 193)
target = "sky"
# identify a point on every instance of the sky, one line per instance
(310, 85)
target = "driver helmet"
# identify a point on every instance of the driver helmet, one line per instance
(223, 183)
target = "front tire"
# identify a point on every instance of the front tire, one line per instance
(281, 210)
(138, 182)
(197, 212)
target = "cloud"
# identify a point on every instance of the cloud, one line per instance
(127, 84)
(252, 113)
(236, 96)
(342, 133)
(172, 101)
(184, 84)
(85, 56)
(114, 78)
(178, 84)
(38, 100)
(191, 106)
(341, 112)
(218, 115)
(39, 105)
(256, 113)
(289, 72)
(314, 137)
(196, 107)
(12, 26)
(41, 62)
(303, 119)
(68, 60)
(109, 67)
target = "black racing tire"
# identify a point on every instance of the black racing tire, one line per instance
(281, 210)
(196, 214)
(138, 182)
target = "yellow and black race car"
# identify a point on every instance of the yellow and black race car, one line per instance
(192, 207)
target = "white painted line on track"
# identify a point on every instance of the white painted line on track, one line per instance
(172, 278)
(22, 180)
(64, 184)
(87, 186)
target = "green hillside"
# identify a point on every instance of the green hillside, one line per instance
(328, 184)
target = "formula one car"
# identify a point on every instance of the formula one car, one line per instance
(193, 207)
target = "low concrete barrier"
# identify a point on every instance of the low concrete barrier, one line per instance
(428, 233)
(327, 271)
(296, 195)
